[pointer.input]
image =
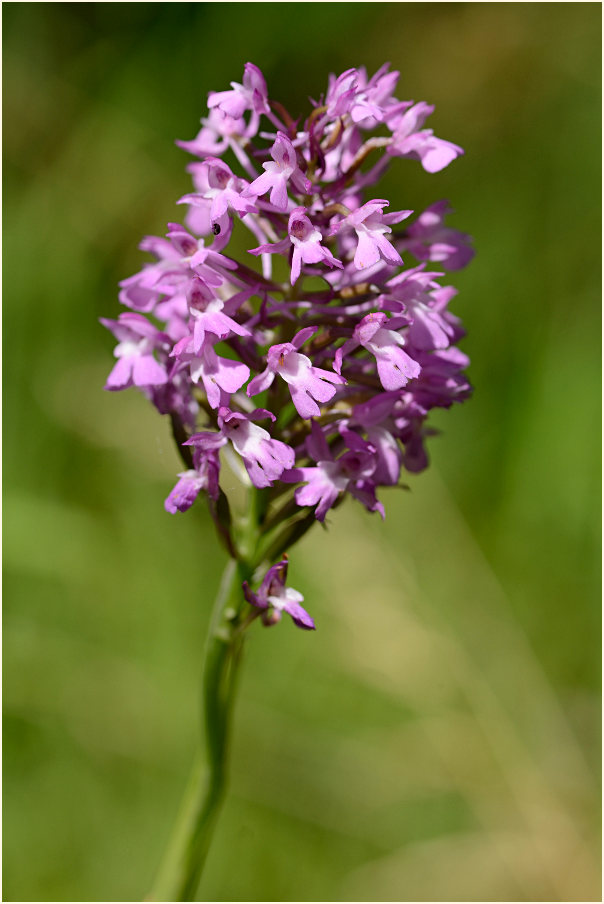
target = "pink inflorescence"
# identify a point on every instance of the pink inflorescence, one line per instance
(317, 369)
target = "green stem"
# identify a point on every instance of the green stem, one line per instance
(181, 869)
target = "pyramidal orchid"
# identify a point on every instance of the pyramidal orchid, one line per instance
(331, 330)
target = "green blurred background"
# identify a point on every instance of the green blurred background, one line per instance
(438, 736)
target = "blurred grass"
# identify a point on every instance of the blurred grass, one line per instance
(438, 737)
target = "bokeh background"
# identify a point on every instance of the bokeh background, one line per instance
(438, 736)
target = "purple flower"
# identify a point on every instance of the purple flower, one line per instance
(198, 219)
(410, 140)
(341, 93)
(423, 303)
(184, 265)
(192, 482)
(251, 95)
(307, 384)
(213, 137)
(140, 291)
(274, 597)
(367, 101)
(306, 241)
(219, 375)
(394, 366)
(374, 101)
(209, 316)
(429, 239)
(265, 459)
(225, 192)
(136, 364)
(375, 417)
(283, 169)
(371, 226)
(352, 472)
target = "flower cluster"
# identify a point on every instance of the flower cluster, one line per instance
(333, 344)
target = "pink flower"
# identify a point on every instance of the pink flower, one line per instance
(306, 241)
(307, 384)
(279, 172)
(371, 226)
(275, 597)
(351, 472)
(220, 376)
(265, 459)
(429, 239)
(409, 140)
(394, 366)
(190, 484)
(136, 365)
(209, 316)
(213, 137)
(251, 95)
(225, 192)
